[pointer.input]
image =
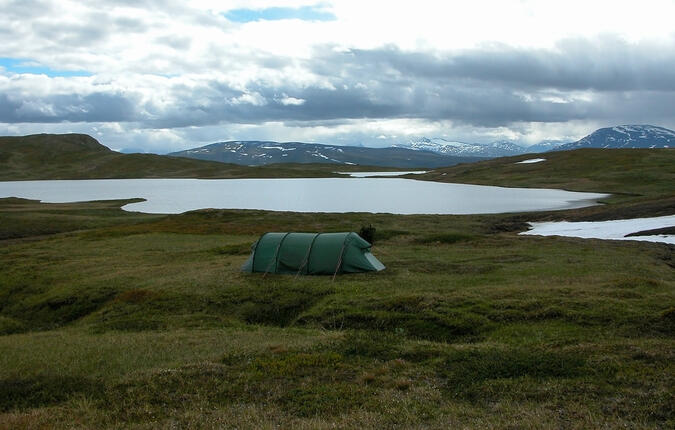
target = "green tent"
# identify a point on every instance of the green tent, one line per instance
(311, 254)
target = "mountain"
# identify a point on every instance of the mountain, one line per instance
(622, 136)
(79, 156)
(256, 153)
(625, 136)
(544, 146)
(439, 145)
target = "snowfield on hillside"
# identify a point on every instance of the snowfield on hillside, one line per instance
(531, 161)
(615, 230)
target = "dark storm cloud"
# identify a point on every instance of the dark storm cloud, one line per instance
(604, 65)
(8, 109)
(486, 87)
(97, 107)
(465, 101)
(496, 86)
(220, 103)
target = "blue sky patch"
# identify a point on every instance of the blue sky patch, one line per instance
(22, 65)
(305, 13)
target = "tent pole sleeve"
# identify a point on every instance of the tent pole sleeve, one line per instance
(276, 253)
(342, 252)
(305, 262)
(275, 260)
(255, 251)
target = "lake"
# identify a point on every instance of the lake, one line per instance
(391, 195)
(371, 174)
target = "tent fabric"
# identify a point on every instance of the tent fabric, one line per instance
(311, 254)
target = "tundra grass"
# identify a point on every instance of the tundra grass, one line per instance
(134, 321)
(630, 174)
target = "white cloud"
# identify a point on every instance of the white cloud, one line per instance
(291, 101)
(254, 99)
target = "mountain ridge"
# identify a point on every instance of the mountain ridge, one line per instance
(262, 152)
(620, 136)
(643, 136)
(501, 148)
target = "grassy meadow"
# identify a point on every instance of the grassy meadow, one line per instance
(111, 319)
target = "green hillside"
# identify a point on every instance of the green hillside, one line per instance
(637, 171)
(641, 181)
(78, 156)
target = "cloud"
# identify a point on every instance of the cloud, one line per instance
(480, 87)
(290, 101)
(476, 87)
(70, 107)
(167, 69)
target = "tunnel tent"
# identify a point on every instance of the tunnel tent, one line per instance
(311, 254)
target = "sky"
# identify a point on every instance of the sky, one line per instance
(161, 76)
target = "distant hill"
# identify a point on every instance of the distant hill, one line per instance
(645, 172)
(625, 136)
(79, 156)
(256, 153)
(502, 148)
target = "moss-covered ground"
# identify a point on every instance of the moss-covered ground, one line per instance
(143, 321)
(111, 319)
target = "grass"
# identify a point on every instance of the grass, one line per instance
(111, 319)
(149, 323)
(628, 173)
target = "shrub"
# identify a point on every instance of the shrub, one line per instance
(368, 233)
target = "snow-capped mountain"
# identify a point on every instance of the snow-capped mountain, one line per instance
(423, 152)
(625, 136)
(255, 153)
(544, 146)
(439, 145)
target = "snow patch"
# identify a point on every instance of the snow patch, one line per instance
(614, 230)
(279, 148)
(531, 161)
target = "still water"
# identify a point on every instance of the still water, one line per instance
(392, 195)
